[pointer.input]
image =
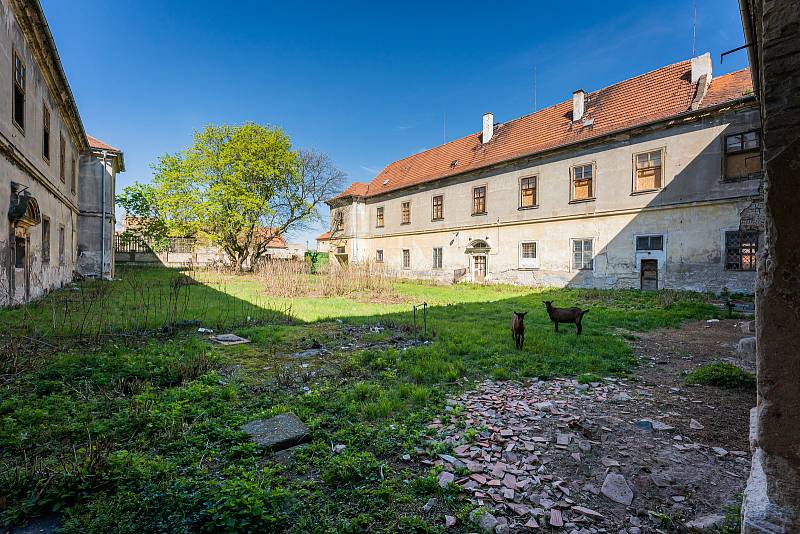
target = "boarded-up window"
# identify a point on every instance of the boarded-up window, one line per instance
(740, 250)
(73, 176)
(46, 134)
(742, 154)
(582, 254)
(45, 240)
(406, 258)
(405, 213)
(479, 200)
(379, 217)
(437, 258)
(19, 92)
(527, 192)
(649, 170)
(438, 208)
(582, 182)
(379, 256)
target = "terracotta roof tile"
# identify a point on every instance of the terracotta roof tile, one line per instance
(324, 237)
(100, 145)
(650, 97)
(277, 241)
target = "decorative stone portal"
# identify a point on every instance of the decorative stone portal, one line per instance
(478, 252)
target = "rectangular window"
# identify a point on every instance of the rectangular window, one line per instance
(405, 209)
(742, 154)
(406, 258)
(379, 217)
(18, 104)
(20, 252)
(437, 258)
(45, 134)
(582, 182)
(649, 242)
(379, 256)
(61, 245)
(340, 250)
(648, 170)
(582, 254)
(73, 176)
(438, 208)
(527, 192)
(45, 240)
(740, 250)
(62, 154)
(479, 200)
(528, 255)
(338, 221)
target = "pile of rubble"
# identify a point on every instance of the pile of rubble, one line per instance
(584, 458)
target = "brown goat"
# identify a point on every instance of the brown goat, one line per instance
(518, 328)
(565, 315)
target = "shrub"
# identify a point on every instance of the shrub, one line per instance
(724, 375)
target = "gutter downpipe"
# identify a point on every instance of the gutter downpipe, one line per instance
(103, 217)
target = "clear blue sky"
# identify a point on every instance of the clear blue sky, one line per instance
(369, 82)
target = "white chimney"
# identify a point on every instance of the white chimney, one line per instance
(701, 65)
(488, 127)
(578, 98)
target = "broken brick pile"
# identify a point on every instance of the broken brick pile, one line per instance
(583, 457)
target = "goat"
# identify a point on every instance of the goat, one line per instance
(518, 329)
(565, 315)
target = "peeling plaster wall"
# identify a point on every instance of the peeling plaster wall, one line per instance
(692, 211)
(21, 161)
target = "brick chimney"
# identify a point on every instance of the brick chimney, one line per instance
(701, 65)
(578, 99)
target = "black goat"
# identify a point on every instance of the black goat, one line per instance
(565, 315)
(518, 328)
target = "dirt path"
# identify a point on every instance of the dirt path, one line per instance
(646, 454)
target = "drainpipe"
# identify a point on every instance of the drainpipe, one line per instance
(103, 217)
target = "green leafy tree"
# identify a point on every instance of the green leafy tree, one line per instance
(240, 186)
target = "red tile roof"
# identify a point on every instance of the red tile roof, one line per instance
(647, 98)
(100, 145)
(276, 241)
(324, 237)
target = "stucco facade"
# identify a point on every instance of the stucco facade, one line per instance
(691, 211)
(37, 247)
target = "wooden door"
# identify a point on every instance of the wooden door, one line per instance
(649, 275)
(479, 270)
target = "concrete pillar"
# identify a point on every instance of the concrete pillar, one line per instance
(772, 497)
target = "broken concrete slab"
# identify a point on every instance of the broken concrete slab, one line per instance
(277, 433)
(229, 339)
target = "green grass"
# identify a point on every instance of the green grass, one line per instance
(724, 375)
(133, 434)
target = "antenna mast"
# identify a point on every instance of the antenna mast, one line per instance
(694, 25)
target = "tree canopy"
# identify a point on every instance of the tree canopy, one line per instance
(240, 186)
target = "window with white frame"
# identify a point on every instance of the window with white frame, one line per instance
(582, 254)
(406, 258)
(529, 255)
(437, 258)
(379, 255)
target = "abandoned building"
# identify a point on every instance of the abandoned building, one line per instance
(45, 151)
(642, 184)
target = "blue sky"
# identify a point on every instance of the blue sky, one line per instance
(366, 82)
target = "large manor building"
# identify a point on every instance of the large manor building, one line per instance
(651, 183)
(56, 183)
